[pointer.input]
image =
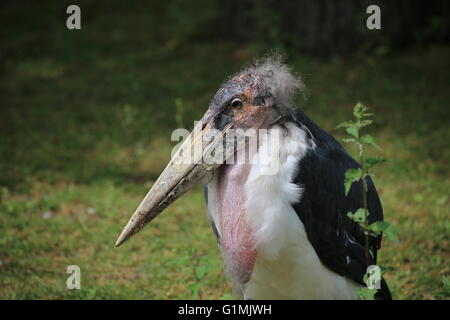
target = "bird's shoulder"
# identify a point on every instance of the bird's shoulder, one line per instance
(323, 207)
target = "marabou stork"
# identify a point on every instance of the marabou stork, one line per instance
(284, 235)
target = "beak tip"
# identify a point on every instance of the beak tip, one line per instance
(118, 243)
(124, 236)
(134, 225)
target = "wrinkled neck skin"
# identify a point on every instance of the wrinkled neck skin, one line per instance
(237, 237)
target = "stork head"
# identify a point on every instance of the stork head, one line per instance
(255, 98)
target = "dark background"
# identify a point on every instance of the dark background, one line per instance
(327, 28)
(86, 118)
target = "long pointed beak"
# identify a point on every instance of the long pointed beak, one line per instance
(201, 152)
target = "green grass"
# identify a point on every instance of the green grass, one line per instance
(85, 122)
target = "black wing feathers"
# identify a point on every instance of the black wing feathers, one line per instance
(338, 241)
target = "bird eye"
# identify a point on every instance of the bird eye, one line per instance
(236, 103)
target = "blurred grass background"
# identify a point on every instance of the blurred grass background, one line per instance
(85, 125)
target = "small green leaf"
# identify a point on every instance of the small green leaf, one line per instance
(207, 260)
(345, 124)
(359, 110)
(378, 227)
(358, 216)
(370, 162)
(365, 123)
(366, 293)
(352, 130)
(351, 175)
(347, 186)
(390, 234)
(201, 272)
(368, 139)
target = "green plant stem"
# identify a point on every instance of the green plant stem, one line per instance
(364, 190)
(194, 265)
